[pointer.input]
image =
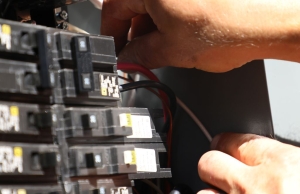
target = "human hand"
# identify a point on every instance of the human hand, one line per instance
(247, 164)
(215, 36)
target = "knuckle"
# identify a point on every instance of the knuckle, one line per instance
(141, 57)
(249, 142)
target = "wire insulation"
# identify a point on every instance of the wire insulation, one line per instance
(129, 67)
(153, 186)
(6, 7)
(135, 190)
(153, 84)
(195, 119)
(169, 120)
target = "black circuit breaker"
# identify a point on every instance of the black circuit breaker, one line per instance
(29, 163)
(35, 120)
(139, 160)
(61, 67)
(28, 159)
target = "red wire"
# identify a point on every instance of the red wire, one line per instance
(135, 190)
(127, 67)
(139, 68)
(146, 72)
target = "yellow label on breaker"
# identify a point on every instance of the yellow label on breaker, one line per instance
(128, 119)
(133, 155)
(14, 111)
(125, 120)
(129, 157)
(104, 91)
(18, 152)
(21, 191)
(6, 29)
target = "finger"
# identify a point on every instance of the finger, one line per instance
(119, 33)
(141, 25)
(223, 171)
(209, 191)
(248, 148)
(148, 50)
(116, 19)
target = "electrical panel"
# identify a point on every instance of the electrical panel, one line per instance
(62, 129)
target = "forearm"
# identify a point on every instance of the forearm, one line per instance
(262, 28)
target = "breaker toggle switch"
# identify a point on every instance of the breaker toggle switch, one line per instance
(45, 57)
(48, 159)
(82, 58)
(93, 160)
(89, 121)
(43, 120)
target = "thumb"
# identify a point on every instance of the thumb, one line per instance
(147, 50)
(223, 171)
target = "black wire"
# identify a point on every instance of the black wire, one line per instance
(126, 79)
(6, 7)
(153, 84)
(130, 77)
(168, 120)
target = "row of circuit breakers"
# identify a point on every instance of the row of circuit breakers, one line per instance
(61, 127)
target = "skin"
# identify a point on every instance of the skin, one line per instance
(246, 164)
(217, 36)
(191, 33)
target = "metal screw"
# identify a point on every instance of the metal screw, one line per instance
(63, 25)
(63, 15)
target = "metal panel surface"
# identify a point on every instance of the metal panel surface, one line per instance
(235, 101)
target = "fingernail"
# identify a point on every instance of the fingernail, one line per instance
(215, 141)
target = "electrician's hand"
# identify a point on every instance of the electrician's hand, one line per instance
(215, 36)
(247, 164)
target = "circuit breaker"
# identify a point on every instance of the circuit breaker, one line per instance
(62, 129)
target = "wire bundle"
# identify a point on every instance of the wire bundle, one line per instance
(167, 96)
(128, 67)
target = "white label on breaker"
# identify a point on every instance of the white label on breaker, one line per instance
(125, 120)
(12, 191)
(119, 190)
(109, 86)
(145, 160)
(5, 36)
(128, 157)
(11, 159)
(141, 127)
(7, 191)
(9, 118)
